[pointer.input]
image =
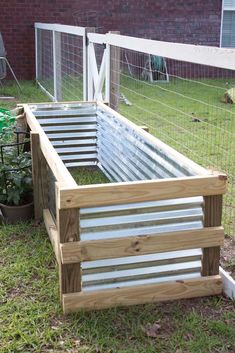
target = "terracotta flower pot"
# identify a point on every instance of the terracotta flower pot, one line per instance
(14, 214)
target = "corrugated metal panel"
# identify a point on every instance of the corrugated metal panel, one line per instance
(123, 155)
(126, 147)
(81, 138)
(71, 129)
(138, 219)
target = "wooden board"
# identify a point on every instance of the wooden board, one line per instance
(52, 232)
(68, 231)
(212, 218)
(204, 286)
(131, 246)
(141, 191)
(39, 171)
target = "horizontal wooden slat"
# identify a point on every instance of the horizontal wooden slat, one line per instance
(144, 190)
(52, 232)
(142, 294)
(131, 246)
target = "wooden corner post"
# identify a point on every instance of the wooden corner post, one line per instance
(68, 231)
(114, 75)
(40, 177)
(212, 218)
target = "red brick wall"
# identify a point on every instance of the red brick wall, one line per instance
(186, 21)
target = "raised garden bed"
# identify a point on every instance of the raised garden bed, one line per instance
(153, 233)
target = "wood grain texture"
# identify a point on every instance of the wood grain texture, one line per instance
(40, 177)
(141, 191)
(212, 218)
(68, 229)
(141, 245)
(204, 286)
(52, 232)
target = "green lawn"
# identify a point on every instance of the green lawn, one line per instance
(86, 176)
(30, 93)
(190, 117)
(31, 319)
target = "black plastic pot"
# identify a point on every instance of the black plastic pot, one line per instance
(15, 214)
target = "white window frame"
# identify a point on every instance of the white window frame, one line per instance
(223, 8)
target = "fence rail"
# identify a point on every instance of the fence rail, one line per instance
(177, 96)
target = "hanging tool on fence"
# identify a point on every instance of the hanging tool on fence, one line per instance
(155, 69)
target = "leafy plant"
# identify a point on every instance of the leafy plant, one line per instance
(15, 171)
(7, 135)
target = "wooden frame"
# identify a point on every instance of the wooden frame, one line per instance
(64, 228)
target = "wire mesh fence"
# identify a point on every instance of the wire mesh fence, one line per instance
(182, 103)
(44, 57)
(60, 61)
(186, 106)
(71, 75)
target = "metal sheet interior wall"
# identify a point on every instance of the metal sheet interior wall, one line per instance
(84, 135)
(125, 155)
(72, 130)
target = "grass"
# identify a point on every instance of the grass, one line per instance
(86, 176)
(31, 319)
(30, 93)
(30, 313)
(191, 118)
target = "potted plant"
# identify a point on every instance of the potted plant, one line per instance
(16, 193)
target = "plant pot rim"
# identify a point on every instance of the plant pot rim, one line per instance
(16, 206)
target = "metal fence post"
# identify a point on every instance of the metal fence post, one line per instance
(57, 65)
(89, 80)
(36, 52)
(114, 82)
(107, 74)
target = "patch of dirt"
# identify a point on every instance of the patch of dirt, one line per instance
(15, 292)
(204, 306)
(160, 329)
(227, 256)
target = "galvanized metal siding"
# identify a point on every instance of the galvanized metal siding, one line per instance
(72, 131)
(83, 135)
(124, 155)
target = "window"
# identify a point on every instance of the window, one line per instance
(228, 24)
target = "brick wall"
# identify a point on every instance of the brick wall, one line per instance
(186, 21)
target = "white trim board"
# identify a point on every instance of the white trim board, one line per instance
(228, 284)
(211, 56)
(80, 31)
